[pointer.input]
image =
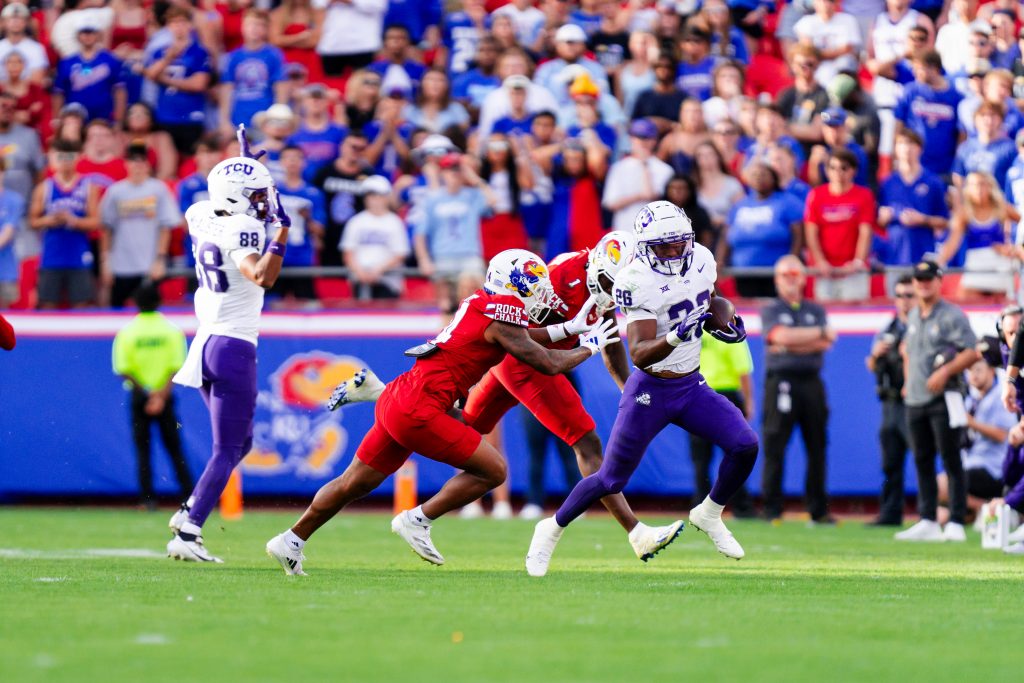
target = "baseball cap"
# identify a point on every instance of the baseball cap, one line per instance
(376, 184)
(516, 82)
(15, 10)
(315, 90)
(398, 92)
(570, 33)
(990, 352)
(73, 108)
(281, 112)
(927, 270)
(88, 28)
(840, 87)
(643, 128)
(450, 160)
(979, 26)
(834, 117)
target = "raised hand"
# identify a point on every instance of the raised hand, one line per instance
(243, 142)
(601, 336)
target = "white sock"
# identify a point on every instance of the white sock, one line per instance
(190, 502)
(292, 540)
(419, 517)
(714, 509)
(637, 530)
(190, 528)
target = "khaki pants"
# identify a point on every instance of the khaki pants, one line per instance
(853, 287)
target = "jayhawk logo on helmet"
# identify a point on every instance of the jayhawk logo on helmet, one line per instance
(520, 279)
(613, 249)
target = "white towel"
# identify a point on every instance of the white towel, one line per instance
(191, 373)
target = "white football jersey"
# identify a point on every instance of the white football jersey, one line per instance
(643, 294)
(227, 303)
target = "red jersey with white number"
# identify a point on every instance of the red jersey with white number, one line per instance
(568, 273)
(463, 354)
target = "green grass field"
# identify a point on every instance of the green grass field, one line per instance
(807, 604)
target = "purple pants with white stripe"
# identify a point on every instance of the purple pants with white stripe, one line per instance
(229, 391)
(648, 405)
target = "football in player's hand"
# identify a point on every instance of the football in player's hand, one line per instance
(722, 312)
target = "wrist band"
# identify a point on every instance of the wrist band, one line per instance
(557, 332)
(673, 339)
(276, 248)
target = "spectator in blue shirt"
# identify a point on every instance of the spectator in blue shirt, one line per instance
(587, 16)
(1013, 186)
(12, 215)
(394, 65)
(783, 161)
(317, 135)
(308, 210)
(462, 32)
(911, 205)
(421, 18)
(518, 119)
(570, 50)
(694, 74)
(836, 136)
(988, 150)
(997, 88)
(727, 41)
(389, 135)
(181, 71)
(928, 107)
(92, 78)
(253, 75)
(472, 86)
(433, 109)
(761, 228)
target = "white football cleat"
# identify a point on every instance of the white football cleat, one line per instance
(649, 541)
(179, 518)
(542, 546)
(417, 536)
(472, 511)
(190, 548)
(716, 530)
(954, 532)
(363, 387)
(502, 510)
(1015, 549)
(289, 556)
(1016, 536)
(927, 530)
(531, 511)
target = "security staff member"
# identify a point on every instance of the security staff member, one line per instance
(147, 353)
(796, 336)
(938, 347)
(726, 368)
(886, 362)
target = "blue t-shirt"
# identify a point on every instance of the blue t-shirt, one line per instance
(12, 212)
(933, 116)
(798, 189)
(695, 79)
(174, 106)
(319, 147)
(760, 231)
(62, 246)
(415, 15)
(303, 203)
(413, 70)
(590, 23)
(253, 74)
(452, 223)
(191, 190)
(512, 126)
(605, 133)
(736, 49)
(926, 194)
(1013, 186)
(90, 83)
(473, 86)
(387, 164)
(995, 158)
(461, 36)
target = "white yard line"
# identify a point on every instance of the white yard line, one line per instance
(78, 553)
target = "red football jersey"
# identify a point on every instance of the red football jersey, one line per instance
(568, 273)
(463, 354)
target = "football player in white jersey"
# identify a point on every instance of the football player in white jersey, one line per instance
(665, 293)
(235, 266)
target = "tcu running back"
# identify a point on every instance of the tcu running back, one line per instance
(412, 411)
(235, 266)
(579, 280)
(665, 293)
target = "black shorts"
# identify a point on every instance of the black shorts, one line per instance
(755, 30)
(981, 484)
(301, 287)
(75, 285)
(337, 65)
(184, 135)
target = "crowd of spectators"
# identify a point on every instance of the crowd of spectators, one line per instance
(427, 135)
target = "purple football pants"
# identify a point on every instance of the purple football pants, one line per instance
(1013, 477)
(647, 406)
(229, 391)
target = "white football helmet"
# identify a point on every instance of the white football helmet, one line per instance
(658, 226)
(241, 186)
(612, 254)
(522, 274)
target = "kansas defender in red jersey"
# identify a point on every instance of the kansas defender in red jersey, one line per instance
(412, 411)
(575, 277)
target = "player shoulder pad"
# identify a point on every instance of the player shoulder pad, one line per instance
(241, 232)
(704, 263)
(503, 309)
(633, 286)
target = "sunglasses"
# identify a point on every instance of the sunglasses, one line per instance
(905, 295)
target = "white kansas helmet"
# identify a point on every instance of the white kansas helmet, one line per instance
(522, 274)
(241, 186)
(612, 254)
(664, 238)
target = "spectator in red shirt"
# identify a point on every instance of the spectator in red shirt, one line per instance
(101, 160)
(33, 108)
(839, 216)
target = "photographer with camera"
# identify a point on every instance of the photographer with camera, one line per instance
(886, 363)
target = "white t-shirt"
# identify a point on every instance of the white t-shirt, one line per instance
(625, 179)
(33, 52)
(644, 294)
(351, 28)
(227, 302)
(951, 43)
(528, 22)
(375, 240)
(839, 31)
(497, 105)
